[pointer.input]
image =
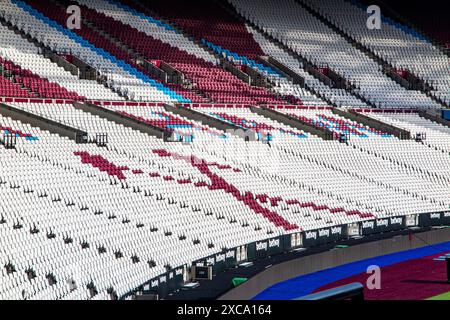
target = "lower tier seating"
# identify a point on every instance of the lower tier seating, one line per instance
(111, 218)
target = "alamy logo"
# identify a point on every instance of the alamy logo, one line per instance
(374, 280)
(74, 20)
(374, 20)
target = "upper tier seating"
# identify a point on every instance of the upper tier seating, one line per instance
(40, 86)
(159, 117)
(339, 96)
(393, 44)
(429, 16)
(309, 37)
(211, 80)
(206, 20)
(239, 46)
(55, 35)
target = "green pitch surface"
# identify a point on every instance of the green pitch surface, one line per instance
(444, 296)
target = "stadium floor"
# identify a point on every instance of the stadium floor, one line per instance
(407, 275)
(415, 279)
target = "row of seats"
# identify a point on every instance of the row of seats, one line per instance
(207, 20)
(55, 35)
(41, 87)
(24, 54)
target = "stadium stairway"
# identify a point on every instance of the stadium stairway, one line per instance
(410, 48)
(416, 24)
